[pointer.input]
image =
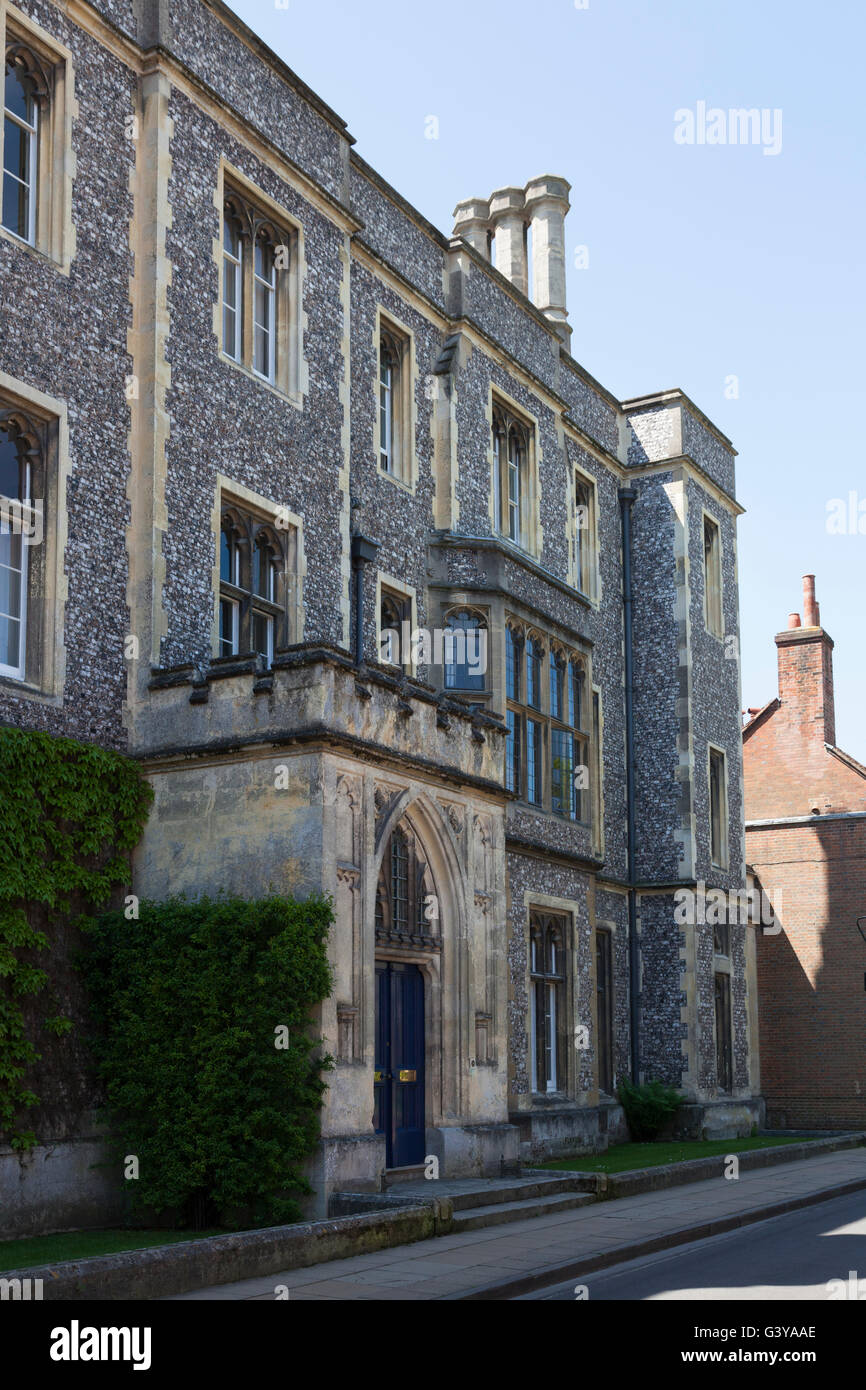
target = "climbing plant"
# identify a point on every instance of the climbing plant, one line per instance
(70, 813)
(211, 1073)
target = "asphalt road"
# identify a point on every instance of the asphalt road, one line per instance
(790, 1257)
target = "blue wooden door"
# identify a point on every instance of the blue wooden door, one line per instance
(399, 1076)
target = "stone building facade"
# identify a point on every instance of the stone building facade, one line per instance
(806, 846)
(334, 544)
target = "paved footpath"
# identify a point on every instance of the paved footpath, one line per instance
(458, 1266)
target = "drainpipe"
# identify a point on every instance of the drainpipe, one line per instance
(627, 497)
(364, 552)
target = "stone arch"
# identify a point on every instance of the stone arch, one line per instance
(445, 967)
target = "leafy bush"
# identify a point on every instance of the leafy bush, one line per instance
(201, 1033)
(69, 815)
(647, 1107)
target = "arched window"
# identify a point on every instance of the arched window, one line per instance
(394, 407)
(407, 909)
(534, 658)
(264, 567)
(399, 881)
(233, 283)
(254, 561)
(584, 536)
(576, 684)
(465, 651)
(20, 144)
(547, 969)
(389, 364)
(513, 663)
(510, 469)
(395, 621)
(557, 680)
(264, 306)
(260, 293)
(569, 771)
(21, 523)
(513, 716)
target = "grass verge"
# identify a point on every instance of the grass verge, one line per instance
(625, 1158)
(81, 1245)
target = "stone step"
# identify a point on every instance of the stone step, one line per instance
(413, 1173)
(502, 1212)
(519, 1191)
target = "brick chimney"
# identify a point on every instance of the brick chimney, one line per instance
(806, 671)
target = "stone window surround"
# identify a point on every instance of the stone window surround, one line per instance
(47, 583)
(405, 410)
(543, 715)
(229, 492)
(614, 930)
(55, 233)
(531, 530)
(596, 765)
(568, 1088)
(723, 862)
(708, 579)
(592, 590)
(292, 375)
(452, 610)
(727, 1040)
(402, 591)
(607, 929)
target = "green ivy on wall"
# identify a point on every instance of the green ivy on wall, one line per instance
(70, 813)
(203, 1040)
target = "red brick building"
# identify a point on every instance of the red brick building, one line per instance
(805, 803)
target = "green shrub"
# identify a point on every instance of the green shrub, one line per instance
(647, 1107)
(69, 815)
(201, 1034)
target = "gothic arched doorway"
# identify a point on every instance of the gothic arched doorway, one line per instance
(407, 932)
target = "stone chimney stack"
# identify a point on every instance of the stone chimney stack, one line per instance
(547, 204)
(806, 671)
(541, 206)
(508, 220)
(472, 223)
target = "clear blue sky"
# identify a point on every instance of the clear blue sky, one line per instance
(705, 261)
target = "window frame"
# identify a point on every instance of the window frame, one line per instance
(49, 64)
(417, 930)
(252, 525)
(585, 538)
(256, 218)
(718, 807)
(605, 1009)
(714, 619)
(394, 341)
(403, 599)
(548, 1001)
(512, 444)
(481, 621)
(268, 288)
(30, 139)
(723, 1031)
(524, 645)
(236, 262)
(18, 439)
(42, 421)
